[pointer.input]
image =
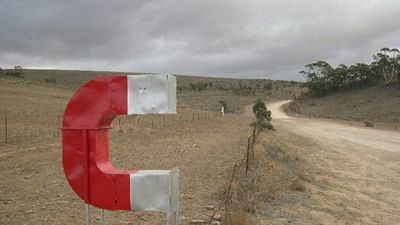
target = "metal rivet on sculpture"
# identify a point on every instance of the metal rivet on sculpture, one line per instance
(87, 120)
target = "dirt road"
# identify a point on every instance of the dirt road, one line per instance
(356, 170)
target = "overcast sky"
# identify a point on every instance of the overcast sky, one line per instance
(227, 38)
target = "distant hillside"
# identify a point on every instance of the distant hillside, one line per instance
(375, 103)
(204, 93)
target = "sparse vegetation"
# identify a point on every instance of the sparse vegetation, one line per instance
(223, 104)
(377, 104)
(297, 185)
(368, 123)
(274, 178)
(16, 72)
(267, 86)
(198, 86)
(51, 80)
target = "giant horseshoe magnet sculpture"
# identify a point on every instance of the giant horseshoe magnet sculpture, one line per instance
(88, 118)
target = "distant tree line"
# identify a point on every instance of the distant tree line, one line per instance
(322, 78)
(242, 87)
(16, 72)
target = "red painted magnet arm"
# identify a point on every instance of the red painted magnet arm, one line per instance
(87, 118)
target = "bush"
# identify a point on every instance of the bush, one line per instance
(368, 123)
(223, 104)
(268, 86)
(263, 115)
(266, 125)
(198, 86)
(51, 80)
(297, 185)
(16, 72)
(263, 125)
(13, 73)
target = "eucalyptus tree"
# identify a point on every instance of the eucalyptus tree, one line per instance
(387, 61)
(318, 77)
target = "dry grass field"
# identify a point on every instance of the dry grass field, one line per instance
(204, 145)
(377, 106)
(34, 104)
(300, 173)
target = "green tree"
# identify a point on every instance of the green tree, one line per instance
(16, 72)
(337, 77)
(387, 61)
(262, 114)
(318, 75)
(362, 74)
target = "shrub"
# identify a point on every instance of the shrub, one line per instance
(198, 86)
(268, 86)
(297, 185)
(368, 123)
(51, 80)
(266, 125)
(223, 104)
(263, 115)
(13, 73)
(263, 125)
(16, 72)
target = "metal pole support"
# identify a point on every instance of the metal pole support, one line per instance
(102, 217)
(87, 214)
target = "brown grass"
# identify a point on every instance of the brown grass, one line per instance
(275, 173)
(374, 104)
(204, 145)
(238, 219)
(297, 185)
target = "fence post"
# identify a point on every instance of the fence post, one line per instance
(248, 154)
(254, 135)
(6, 125)
(152, 123)
(119, 124)
(58, 125)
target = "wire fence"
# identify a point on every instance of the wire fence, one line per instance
(23, 128)
(243, 167)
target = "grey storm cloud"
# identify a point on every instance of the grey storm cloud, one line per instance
(248, 39)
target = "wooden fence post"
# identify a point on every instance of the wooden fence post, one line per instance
(6, 126)
(119, 124)
(248, 154)
(58, 126)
